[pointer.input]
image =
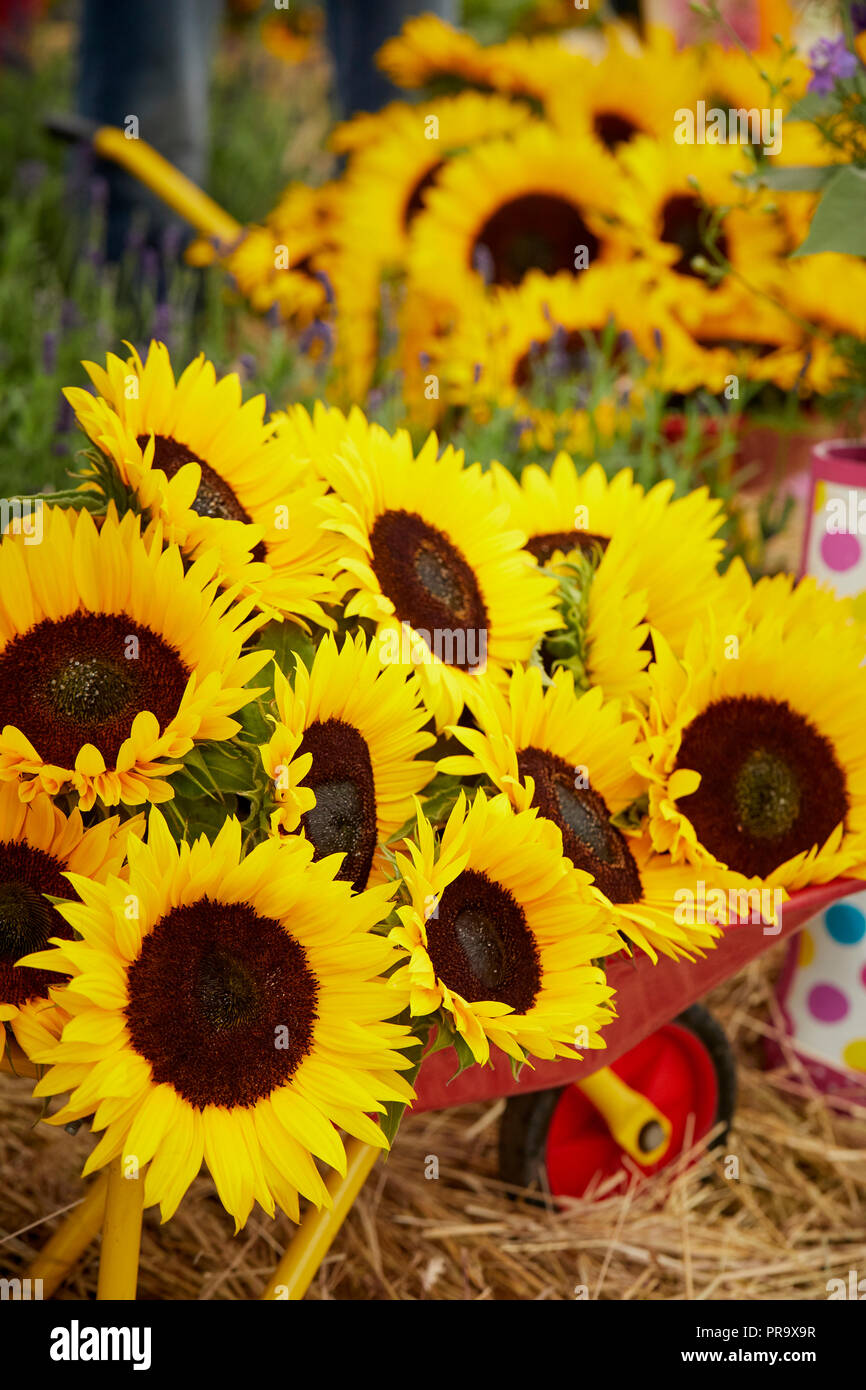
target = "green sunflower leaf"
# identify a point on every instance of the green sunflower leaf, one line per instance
(440, 796)
(797, 178)
(396, 1109)
(187, 819)
(631, 817)
(839, 220)
(286, 640)
(465, 1059)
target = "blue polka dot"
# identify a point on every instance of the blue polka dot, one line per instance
(846, 924)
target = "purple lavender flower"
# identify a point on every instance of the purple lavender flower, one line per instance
(483, 263)
(49, 353)
(325, 281)
(318, 332)
(62, 425)
(30, 174)
(830, 60)
(162, 322)
(69, 316)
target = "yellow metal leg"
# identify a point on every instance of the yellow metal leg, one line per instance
(121, 1236)
(71, 1239)
(168, 183)
(319, 1229)
(637, 1125)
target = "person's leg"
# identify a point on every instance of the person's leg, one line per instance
(356, 29)
(148, 59)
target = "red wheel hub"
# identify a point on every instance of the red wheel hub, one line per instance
(673, 1069)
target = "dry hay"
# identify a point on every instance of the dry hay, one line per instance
(794, 1218)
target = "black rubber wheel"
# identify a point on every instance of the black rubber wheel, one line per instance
(524, 1125)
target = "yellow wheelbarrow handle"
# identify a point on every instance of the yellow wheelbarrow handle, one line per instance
(156, 173)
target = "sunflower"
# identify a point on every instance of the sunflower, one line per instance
(431, 52)
(344, 754)
(733, 80)
(499, 348)
(806, 604)
(39, 845)
(429, 47)
(501, 932)
(311, 438)
(113, 661)
(669, 202)
(570, 755)
(628, 90)
(205, 464)
(435, 566)
(829, 291)
(536, 201)
(239, 1017)
(280, 263)
(708, 338)
(755, 751)
(387, 181)
(359, 338)
(658, 561)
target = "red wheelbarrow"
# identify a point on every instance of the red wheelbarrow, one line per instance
(664, 1082)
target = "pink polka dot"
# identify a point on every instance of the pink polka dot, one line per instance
(840, 550)
(863, 977)
(827, 1003)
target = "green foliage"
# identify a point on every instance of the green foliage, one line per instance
(567, 647)
(839, 220)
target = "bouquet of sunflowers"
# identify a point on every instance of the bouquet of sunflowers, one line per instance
(533, 195)
(317, 751)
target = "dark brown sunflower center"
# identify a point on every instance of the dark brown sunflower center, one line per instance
(755, 347)
(417, 198)
(767, 795)
(569, 354)
(215, 497)
(771, 785)
(83, 679)
(613, 129)
(537, 231)
(682, 220)
(545, 547)
(588, 838)
(227, 991)
(222, 1004)
(481, 945)
(343, 820)
(91, 690)
(27, 919)
(430, 584)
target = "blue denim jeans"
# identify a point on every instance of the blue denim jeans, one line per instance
(151, 59)
(356, 29)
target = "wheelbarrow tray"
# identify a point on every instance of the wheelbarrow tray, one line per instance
(647, 996)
